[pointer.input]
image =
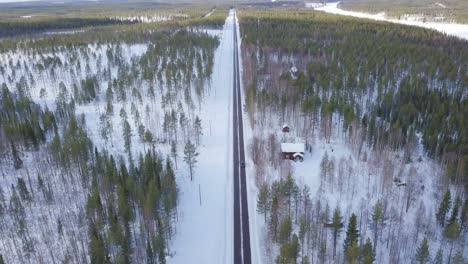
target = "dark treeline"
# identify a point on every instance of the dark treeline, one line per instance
(14, 28)
(393, 81)
(98, 30)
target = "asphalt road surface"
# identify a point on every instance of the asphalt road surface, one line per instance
(242, 252)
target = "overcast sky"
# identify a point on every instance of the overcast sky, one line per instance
(11, 1)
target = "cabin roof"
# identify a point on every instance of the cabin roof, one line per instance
(292, 147)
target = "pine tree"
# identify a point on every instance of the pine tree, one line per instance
(127, 135)
(273, 224)
(422, 254)
(352, 234)
(190, 157)
(1, 259)
(97, 250)
(336, 225)
(377, 217)
(439, 259)
(263, 199)
(285, 230)
(452, 232)
(353, 253)
(455, 210)
(367, 252)
(444, 207)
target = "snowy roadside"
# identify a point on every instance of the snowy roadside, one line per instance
(205, 231)
(457, 30)
(256, 223)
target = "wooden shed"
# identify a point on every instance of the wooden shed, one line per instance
(285, 128)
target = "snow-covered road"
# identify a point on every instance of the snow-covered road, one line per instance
(204, 232)
(457, 30)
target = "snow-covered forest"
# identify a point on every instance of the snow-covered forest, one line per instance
(96, 138)
(117, 137)
(381, 109)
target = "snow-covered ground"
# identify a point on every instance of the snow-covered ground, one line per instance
(151, 19)
(205, 232)
(457, 30)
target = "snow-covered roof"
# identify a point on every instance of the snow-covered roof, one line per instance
(292, 147)
(298, 154)
(285, 125)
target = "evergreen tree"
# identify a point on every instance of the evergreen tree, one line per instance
(97, 250)
(352, 234)
(377, 217)
(353, 253)
(127, 135)
(455, 210)
(190, 157)
(263, 200)
(439, 258)
(367, 252)
(452, 232)
(422, 254)
(285, 230)
(273, 224)
(444, 207)
(336, 225)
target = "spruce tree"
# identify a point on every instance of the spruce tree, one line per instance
(444, 207)
(422, 254)
(352, 234)
(336, 225)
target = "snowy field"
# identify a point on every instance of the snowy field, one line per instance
(457, 30)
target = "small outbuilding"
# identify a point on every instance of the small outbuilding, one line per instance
(285, 128)
(292, 151)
